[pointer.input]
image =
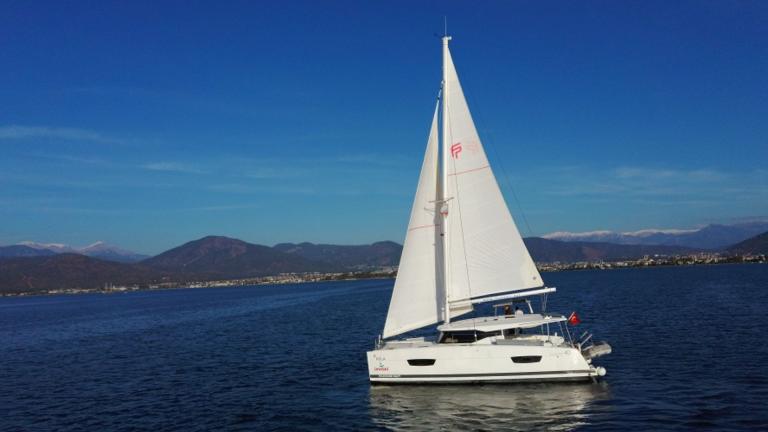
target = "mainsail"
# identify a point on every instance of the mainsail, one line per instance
(462, 243)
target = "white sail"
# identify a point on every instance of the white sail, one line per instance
(485, 253)
(417, 300)
(463, 248)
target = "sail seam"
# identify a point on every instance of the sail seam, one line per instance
(423, 226)
(470, 170)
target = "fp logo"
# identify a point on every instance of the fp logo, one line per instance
(455, 150)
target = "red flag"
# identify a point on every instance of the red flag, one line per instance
(573, 319)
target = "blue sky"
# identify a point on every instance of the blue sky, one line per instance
(148, 125)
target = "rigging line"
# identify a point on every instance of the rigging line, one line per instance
(511, 189)
(493, 147)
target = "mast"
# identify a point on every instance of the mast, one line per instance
(444, 179)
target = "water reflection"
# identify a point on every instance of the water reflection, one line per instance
(487, 407)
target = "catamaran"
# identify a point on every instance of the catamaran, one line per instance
(462, 249)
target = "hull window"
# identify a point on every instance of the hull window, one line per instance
(526, 359)
(421, 362)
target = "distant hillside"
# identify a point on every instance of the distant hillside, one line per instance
(542, 250)
(545, 250)
(18, 251)
(223, 257)
(712, 237)
(226, 258)
(109, 252)
(99, 250)
(379, 254)
(53, 247)
(754, 246)
(204, 259)
(68, 271)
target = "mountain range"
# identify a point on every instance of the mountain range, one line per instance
(548, 251)
(386, 253)
(24, 268)
(17, 251)
(68, 270)
(208, 258)
(99, 250)
(710, 237)
(216, 257)
(358, 257)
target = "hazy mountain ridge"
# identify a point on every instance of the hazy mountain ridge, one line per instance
(379, 254)
(711, 237)
(99, 250)
(216, 257)
(212, 257)
(58, 271)
(386, 253)
(547, 251)
(109, 252)
(18, 251)
(53, 247)
(224, 257)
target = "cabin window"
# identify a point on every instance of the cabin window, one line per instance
(510, 333)
(467, 336)
(526, 359)
(421, 362)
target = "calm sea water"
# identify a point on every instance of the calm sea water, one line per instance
(689, 354)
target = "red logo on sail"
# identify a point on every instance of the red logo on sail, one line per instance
(455, 150)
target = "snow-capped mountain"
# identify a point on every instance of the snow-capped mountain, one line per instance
(111, 253)
(99, 250)
(712, 237)
(53, 247)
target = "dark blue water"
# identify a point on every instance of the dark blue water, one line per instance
(690, 353)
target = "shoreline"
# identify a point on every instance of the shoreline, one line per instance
(302, 278)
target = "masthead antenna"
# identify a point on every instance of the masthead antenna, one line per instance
(445, 25)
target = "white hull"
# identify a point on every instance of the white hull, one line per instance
(477, 363)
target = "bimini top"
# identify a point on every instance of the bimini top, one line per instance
(502, 322)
